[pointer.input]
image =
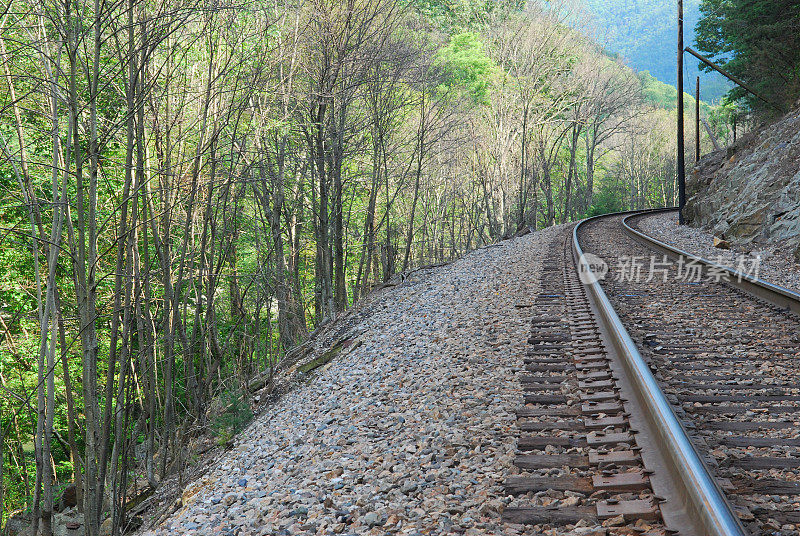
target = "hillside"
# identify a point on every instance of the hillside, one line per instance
(358, 448)
(643, 33)
(748, 193)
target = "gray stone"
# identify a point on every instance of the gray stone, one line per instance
(408, 487)
(415, 415)
(373, 519)
(749, 192)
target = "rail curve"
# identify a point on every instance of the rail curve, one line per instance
(706, 504)
(661, 405)
(775, 294)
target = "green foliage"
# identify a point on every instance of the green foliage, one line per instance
(722, 117)
(467, 67)
(664, 96)
(757, 41)
(608, 198)
(455, 16)
(233, 415)
(657, 93)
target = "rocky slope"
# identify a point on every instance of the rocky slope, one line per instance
(406, 432)
(750, 192)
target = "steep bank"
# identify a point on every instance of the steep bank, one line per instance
(750, 192)
(406, 433)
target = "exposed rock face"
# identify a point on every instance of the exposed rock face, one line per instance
(750, 193)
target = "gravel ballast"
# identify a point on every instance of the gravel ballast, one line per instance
(777, 265)
(408, 433)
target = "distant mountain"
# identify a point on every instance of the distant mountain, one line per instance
(644, 32)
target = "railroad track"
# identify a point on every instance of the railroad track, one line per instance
(578, 456)
(691, 386)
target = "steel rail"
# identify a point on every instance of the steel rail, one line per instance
(704, 502)
(775, 294)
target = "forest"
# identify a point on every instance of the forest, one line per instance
(640, 31)
(756, 41)
(188, 189)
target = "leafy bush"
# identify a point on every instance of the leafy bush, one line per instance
(232, 415)
(467, 66)
(608, 199)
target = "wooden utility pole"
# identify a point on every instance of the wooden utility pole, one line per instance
(732, 78)
(681, 162)
(697, 122)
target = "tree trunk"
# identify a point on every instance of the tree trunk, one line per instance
(291, 330)
(571, 172)
(589, 194)
(340, 290)
(324, 264)
(421, 135)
